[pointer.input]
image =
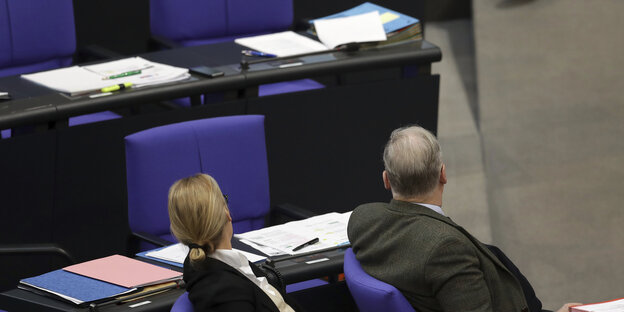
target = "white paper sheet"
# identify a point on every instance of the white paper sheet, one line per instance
(282, 44)
(610, 306)
(365, 27)
(177, 253)
(330, 229)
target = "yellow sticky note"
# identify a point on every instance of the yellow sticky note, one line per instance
(388, 17)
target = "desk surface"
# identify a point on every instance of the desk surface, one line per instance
(33, 104)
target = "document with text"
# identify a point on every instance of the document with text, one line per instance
(330, 229)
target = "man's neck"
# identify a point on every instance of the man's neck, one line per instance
(434, 198)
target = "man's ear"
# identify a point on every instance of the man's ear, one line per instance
(384, 176)
(443, 174)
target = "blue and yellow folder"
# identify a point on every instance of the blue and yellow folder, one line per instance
(391, 20)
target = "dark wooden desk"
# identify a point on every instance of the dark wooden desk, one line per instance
(67, 185)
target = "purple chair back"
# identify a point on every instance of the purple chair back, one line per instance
(230, 149)
(35, 35)
(369, 293)
(194, 22)
(182, 304)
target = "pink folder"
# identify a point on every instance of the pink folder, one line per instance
(124, 271)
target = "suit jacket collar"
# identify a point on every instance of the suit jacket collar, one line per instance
(415, 209)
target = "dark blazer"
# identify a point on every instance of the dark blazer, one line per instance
(215, 286)
(435, 263)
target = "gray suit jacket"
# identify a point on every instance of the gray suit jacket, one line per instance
(435, 263)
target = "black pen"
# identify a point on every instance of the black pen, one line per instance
(306, 244)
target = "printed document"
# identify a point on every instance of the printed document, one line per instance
(330, 229)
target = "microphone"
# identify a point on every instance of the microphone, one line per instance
(347, 47)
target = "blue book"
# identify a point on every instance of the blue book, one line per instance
(72, 287)
(391, 20)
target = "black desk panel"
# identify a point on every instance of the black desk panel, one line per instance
(325, 148)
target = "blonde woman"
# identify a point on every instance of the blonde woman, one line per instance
(217, 277)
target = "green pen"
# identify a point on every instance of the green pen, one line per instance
(126, 74)
(116, 87)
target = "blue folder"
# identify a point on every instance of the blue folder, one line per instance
(401, 22)
(73, 287)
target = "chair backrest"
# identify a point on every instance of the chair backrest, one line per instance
(35, 35)
(193, 22)
(230, 149)
(182, 304)
(371, 294)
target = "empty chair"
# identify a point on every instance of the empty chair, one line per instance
(370, 294)
(196, 22)
(38, 35)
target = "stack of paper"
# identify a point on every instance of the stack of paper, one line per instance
(330, 229)
(77, 80)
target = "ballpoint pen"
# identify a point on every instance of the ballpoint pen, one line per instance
(306, 244)
(116, 87)
(257, 53)
(128, 73)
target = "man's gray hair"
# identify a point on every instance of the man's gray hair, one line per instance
(413, 161)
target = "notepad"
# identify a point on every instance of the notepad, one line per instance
(124, 271)
(72, 287)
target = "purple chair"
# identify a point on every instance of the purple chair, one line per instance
(182, 304)
(370, 294)
(231, 149)
(38, 35)
(197, 22)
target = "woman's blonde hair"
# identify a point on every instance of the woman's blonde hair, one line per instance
(198, 214)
